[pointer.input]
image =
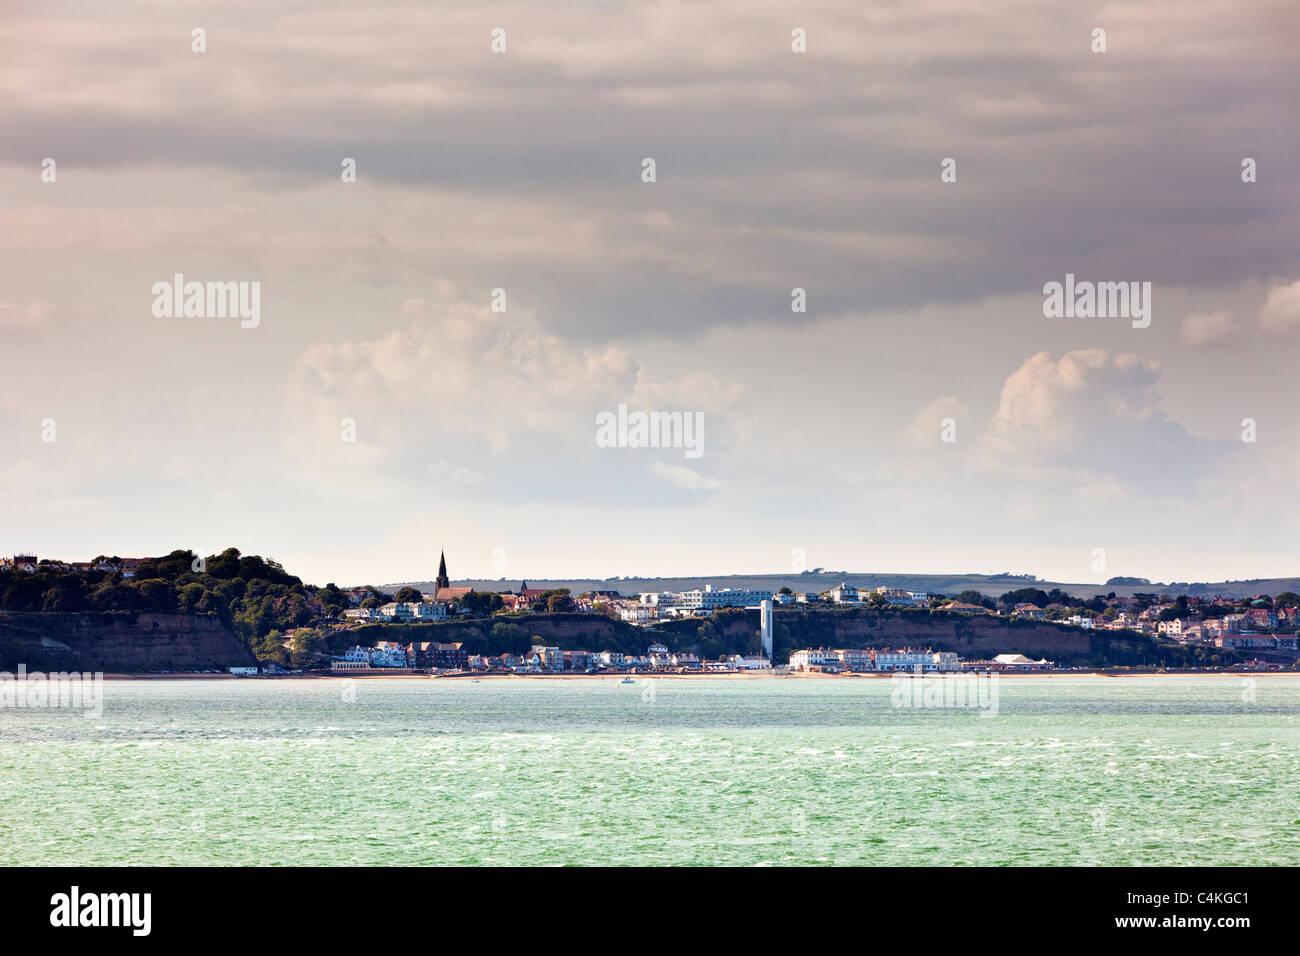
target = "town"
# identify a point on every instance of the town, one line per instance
(293, 628)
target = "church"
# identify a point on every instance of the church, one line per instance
(442, 589)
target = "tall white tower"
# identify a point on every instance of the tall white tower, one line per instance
(765, 626)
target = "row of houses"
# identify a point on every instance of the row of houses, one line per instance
(390, 655)
(544, 659)
(29, 562)
(846, 593)
(395, 612)
(862, 660)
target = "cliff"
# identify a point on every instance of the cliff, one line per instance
(736, 631)
(119, 641)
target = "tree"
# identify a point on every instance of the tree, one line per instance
(481, 602)
(409, 595)
(557, 601)
(309, 647)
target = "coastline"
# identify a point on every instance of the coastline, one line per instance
(800, 675)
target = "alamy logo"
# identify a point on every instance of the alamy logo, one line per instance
(1087, 300)
(66, 691)
(626, 429)
(208, 300)
(73, 909)
(951, 691)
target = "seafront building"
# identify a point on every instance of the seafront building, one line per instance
(853, 660)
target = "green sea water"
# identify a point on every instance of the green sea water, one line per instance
(1131, 771)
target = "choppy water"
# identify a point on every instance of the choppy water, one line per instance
(1162, 770)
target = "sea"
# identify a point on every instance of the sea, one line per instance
(1064, 770)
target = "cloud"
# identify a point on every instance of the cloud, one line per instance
(1280, 314)
(684, 477)
(1092, 420)
(1209, 330)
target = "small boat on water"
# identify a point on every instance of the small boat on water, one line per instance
(627, 680)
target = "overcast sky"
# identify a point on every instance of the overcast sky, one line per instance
(522, 170)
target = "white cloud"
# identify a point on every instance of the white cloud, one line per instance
(1207, 330)
(1280, 314)
(683, 477)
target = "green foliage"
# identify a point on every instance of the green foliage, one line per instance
(252, 595)
(481, 602)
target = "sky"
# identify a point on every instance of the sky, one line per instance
(923, 414)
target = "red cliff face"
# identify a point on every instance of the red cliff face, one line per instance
(120, 641)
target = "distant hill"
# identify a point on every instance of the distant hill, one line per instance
(992, 585)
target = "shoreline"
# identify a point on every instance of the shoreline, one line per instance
(801, 675)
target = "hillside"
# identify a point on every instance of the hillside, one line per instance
(118, 641)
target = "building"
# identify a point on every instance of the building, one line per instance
(658, 655)
(900, 598)
(638, 614)
(820, 659)
(442, 589)
(706, 600)
(389, 654)
(437, 656)
(1031, 612)
(965, 608)
(579, 660)
(547, 658)
(1018, 662)
(844, 593)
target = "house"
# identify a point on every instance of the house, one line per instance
(1031, 612)
(638, 614)
(547, 658)
(821, 659)
(965, 608)
(844, 593)
(578, 660)
(899, 598)
(389, 654)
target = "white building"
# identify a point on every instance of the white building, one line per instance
(901, 598)
(1019, 662)
(820, 659)
(639, 614)
(411, 611)
(887, 660)
(706, 600)
(844, 594)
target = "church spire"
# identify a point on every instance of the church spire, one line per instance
(442, 581)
